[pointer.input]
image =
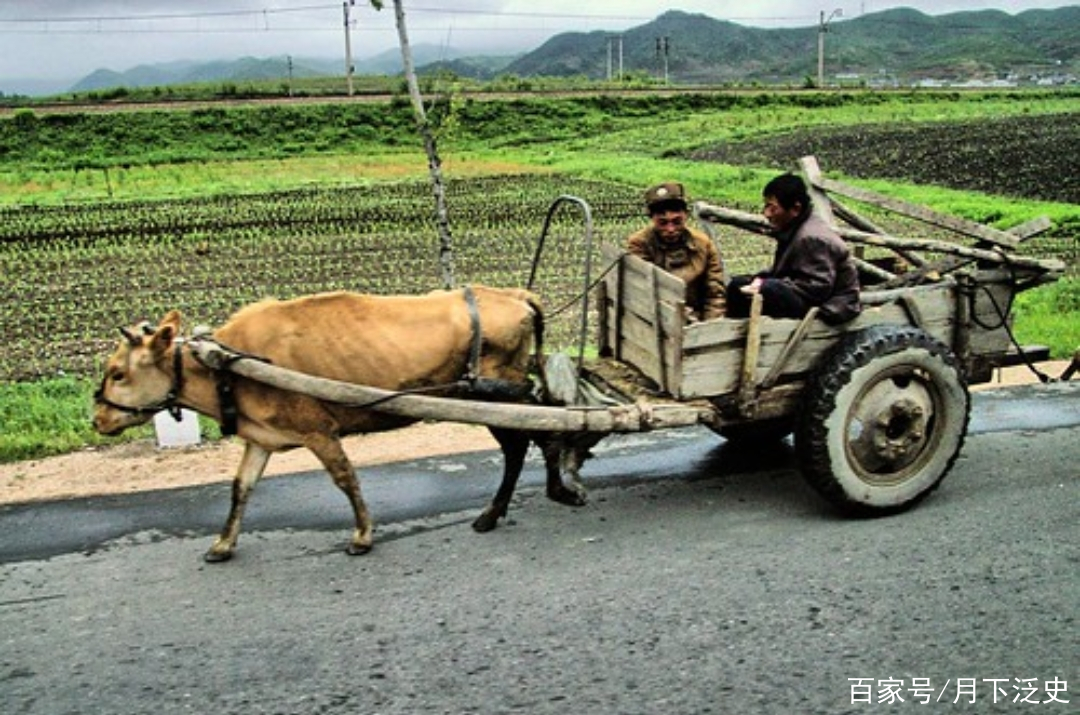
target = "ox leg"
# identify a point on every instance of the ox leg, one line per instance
(252, 465)
(559, 454)
(333, 457)
(514, 445)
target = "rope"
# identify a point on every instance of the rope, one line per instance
(580, 296)
(1003, 318)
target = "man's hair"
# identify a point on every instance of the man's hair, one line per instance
(788, 190)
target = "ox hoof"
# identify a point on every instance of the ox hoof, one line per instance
(217, 557)
(485, 522)
(570, 497)
(355, 550)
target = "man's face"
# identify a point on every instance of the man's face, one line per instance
(669, 224)
(778, 216)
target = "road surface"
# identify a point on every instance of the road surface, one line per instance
(695, 581)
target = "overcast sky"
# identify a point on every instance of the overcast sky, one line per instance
(68, 39)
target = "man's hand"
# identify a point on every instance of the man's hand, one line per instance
(753, 287)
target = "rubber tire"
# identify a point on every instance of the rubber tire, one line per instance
(896, 365)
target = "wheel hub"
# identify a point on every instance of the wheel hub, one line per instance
(889, 428)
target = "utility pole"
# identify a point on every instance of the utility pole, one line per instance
(609, 40)
(612, 41)
(348, 45)
(822, 29)
(620, 58)
(662, 47)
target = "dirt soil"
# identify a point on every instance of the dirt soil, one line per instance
(142, 466)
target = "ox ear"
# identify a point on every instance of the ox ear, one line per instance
(166, 332)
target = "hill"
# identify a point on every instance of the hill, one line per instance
(250, 68)
(901, 46)
(904, 45)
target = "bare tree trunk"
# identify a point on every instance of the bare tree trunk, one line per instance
(442, 214)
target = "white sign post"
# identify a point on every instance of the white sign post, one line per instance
(171, 433)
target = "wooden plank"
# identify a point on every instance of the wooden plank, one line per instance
(621, 418)
(1032, 228)
(818, 198)
(658, 331)
(790, 346)
(635, 342)
(645, 325)
(921, 213)
(751, 352)
(722, 333)
(641, 306)
(715, 371)
(871, 269)
(864, 224)
(990, 315)
(756, 224)
(640, 272)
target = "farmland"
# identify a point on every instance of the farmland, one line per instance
(75, 273)
(106, 219)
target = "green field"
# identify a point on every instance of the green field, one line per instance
(109, 217)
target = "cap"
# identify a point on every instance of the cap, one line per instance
(670, 192)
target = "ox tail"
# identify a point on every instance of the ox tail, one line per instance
(538, 345)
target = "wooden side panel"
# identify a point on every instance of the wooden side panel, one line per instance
(713, 352)
(644, 317)
(644, 324)
(992, 305)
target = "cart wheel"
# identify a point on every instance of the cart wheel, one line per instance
(884, 420)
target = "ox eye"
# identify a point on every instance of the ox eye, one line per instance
(117, 376)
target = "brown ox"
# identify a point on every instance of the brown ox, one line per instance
(393, 343)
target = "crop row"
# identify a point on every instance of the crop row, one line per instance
(407, 205)
(74, 274)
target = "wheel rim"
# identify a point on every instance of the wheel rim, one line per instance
(891, 426)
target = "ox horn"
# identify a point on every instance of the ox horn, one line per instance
(133, 339)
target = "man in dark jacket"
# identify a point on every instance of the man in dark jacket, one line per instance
(680, 250)
(812, 265)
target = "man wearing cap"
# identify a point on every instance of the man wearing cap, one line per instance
(680, 250)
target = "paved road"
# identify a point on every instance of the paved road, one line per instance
(729, 588)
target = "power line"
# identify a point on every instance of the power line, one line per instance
(167, 16)
(100, 20)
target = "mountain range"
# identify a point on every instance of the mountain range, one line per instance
(900, 46)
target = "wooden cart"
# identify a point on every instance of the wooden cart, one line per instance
(879, 406)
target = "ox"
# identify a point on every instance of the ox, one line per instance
(389, 342)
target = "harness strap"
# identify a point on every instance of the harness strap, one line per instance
(178, 382)
(226, 394)
(168, 403)
(225, 385)
(472, 370)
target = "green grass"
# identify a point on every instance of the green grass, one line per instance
(49, 417)
(168, 156)
(38, 419)
(1049, 316)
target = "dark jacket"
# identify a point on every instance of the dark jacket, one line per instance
(816, 264)
(695, 259)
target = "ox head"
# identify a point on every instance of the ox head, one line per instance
(140, 379)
